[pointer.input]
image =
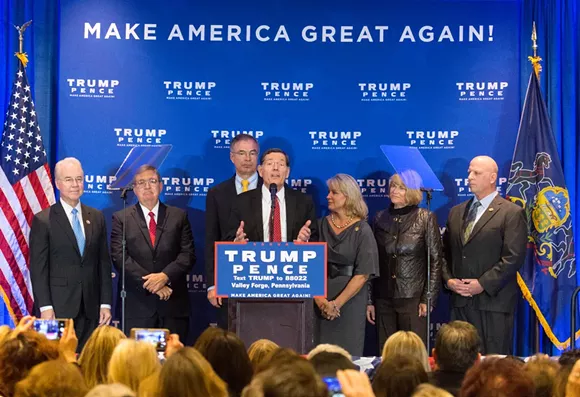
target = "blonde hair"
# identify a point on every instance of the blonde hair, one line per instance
(149, 386)
(347, 185)
(95, 357)
(408, 344)
(328, 348)
(412, 196)
(113, 390)
(5, 332)
(428, 390)
(55, 378)
(259, 350)
(131, 362)
(188, 373)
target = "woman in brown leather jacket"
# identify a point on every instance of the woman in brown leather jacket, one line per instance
(399, 296)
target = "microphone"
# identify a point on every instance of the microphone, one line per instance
(273, 190)
(125, 191)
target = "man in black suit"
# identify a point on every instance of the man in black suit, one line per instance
(159, 255)
(485, 245)
(244, 151)
(457, 347)
(291, 213)
(70, 267)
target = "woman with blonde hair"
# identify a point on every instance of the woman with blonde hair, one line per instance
(408, 344)
(131, 362)
(94, 359)
(352, 259)
(55, 378)
(259, 350)
(405, 234)
(188, 374)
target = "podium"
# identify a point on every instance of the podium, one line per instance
(288, 322)
(270, 289)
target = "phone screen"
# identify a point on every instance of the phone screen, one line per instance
(157, 338)
(52, 329)
(333, 385)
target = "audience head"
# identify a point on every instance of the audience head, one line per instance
(259, 350)
(5, 332)
(244, 152)
(112, 390)
(543, 372)
(398, 376)
(55, 378)
(457, 346)
(188, 374)
(497, 377)
(428, 390)
(328, 348)
(561, 381)
(344, 196)
(228, 356)
(569, 357)
(19, 354)
(95, 357)
(327, 363)
(290, 378)
(278, 357)
(409, 344)
(131, 362)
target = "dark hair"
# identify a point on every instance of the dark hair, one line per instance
(569, 357)
(275, 150)
(457, 346)
(228, 356)
(145, 168)
(241, 138)
(19, 355)
(543, 372)
(327, 363)
(497, 377)
(398, 376)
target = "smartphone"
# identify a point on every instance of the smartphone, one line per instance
(52, 329)
(156, 336)
(334, 388)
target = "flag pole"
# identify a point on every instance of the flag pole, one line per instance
(21, 54)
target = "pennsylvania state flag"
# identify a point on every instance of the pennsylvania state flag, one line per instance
(548, 276)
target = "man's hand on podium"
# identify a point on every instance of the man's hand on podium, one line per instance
(217, 302)
(304, 234)
(240, 235)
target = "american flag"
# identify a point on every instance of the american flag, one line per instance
(26, 189)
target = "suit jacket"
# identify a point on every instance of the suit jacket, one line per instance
(218, 205)
(247, 207)
(493, 254)
(61, 276)
(173, 254)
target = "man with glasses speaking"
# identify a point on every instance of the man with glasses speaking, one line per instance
(159, 255)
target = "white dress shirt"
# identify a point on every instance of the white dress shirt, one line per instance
(146, 212)
(485, 203)
(267, 207)
(68, 211)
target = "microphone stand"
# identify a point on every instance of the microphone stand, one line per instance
(429, 197)
(124, 246)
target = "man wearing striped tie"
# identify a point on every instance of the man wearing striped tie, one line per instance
(244, 152)
(159, 255)
(70, 267)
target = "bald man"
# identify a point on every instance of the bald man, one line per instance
(485, 245)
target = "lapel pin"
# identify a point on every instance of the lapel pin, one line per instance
(490, 210)
(356, 229)
(88, 222)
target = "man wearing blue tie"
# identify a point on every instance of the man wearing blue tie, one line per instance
(70, 267)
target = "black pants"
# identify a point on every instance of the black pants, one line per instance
(401, 314)
(84, 326)
(494, 328)
(176, 325)
(222, 315)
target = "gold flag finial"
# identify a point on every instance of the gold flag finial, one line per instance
(535, 60)
(21, 54)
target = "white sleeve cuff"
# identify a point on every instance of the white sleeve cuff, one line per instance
(210, 288)
(45, 308)
(104, 307)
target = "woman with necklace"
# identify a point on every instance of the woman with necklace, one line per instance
(352, 260)
(402, 232)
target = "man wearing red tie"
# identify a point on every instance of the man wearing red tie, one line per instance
(159, 255)
(274, 212)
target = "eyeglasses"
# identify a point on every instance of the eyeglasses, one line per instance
(70, 181)
(142, 182)
(271, 164)
(243, 153)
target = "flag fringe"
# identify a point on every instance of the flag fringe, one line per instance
(8, 306)
(547, 328)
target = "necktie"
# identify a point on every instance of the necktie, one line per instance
(277, 225)
(78, 231)
(152, 228)
(245, 185)
(470, 220)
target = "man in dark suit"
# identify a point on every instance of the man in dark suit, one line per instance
(485, 245)
(159, 255)
(70, 267)
(457, 347)
(291, 213)
(244, 151)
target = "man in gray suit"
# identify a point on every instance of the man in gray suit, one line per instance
(485, 245)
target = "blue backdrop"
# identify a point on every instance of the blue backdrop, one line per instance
(425, 82)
